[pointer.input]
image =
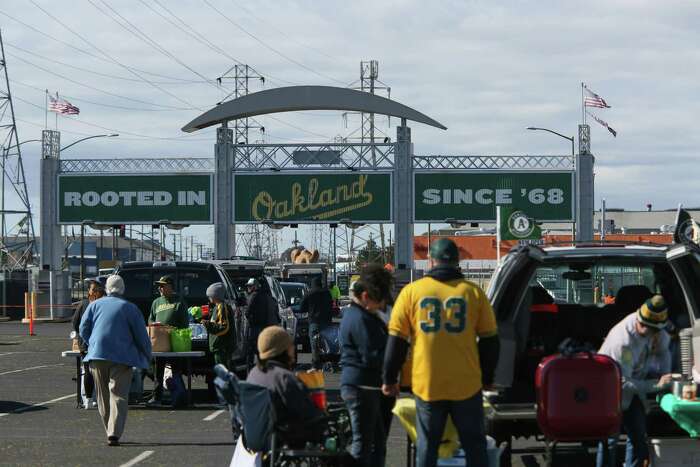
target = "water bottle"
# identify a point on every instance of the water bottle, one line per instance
(331, 444)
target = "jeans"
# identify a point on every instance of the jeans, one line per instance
(368, 446)
(634, 421)
(467, 416)
(314, 329)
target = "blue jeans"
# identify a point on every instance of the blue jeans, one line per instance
(634, 420)
(368, 445)
(467, 416)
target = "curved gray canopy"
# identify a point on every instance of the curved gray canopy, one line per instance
(295, 98)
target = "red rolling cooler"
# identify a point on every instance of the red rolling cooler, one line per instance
(578, 397)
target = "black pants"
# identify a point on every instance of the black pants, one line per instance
(88, 381)
(176, 367)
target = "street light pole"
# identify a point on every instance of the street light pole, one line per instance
(86, 138)
(573, 155)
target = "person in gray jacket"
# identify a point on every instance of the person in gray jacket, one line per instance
(296, 414)
(634, 343)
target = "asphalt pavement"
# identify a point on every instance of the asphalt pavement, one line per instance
(40, 424)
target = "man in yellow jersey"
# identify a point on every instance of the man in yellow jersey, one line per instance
(450, 327)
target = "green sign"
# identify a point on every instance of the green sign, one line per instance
(516, 225)
(308, 198)
(473, 196)
(135, 199)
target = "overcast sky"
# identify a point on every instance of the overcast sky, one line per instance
(485, 69)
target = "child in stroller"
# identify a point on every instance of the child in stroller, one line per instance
(327, 343)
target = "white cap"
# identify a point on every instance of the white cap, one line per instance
(251, 281)
(115, 285)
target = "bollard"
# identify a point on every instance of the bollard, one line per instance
(31, 314)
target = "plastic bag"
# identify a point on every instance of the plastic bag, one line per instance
(405, 410)
(181, 340)
(196, 312)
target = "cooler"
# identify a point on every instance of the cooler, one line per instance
(578, 397)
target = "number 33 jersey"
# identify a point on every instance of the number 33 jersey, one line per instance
(442, 321)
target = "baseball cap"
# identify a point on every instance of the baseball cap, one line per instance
(444, 249)
(166, 280)
(251, 282)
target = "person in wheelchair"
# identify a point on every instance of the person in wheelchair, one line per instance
(298, 419)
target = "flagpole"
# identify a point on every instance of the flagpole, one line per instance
(583, 106)
(56, 112)
(46, 110)
(498, 235)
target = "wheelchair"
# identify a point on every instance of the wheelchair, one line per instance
(253, 421)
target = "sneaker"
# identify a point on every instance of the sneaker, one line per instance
(112, 441)
(153, 402)
(93, 404)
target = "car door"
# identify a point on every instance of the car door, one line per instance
(506, 292)
(685, 262)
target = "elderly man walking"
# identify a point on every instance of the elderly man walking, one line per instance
(117, 341)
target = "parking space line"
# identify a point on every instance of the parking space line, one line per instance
(40, 404)
(212, 416)
(7, 353)
(30, 368)
(137, 459)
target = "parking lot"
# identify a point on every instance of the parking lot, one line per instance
(40, 424)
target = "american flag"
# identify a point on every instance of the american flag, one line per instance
(603, 123)
(594, 100)
(62, 106)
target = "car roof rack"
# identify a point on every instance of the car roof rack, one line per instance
(603, 243)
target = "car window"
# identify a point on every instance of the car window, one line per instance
(138, 283)
(296, 291)
(592, 283)
(192, 284)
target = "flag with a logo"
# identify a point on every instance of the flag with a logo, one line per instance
(687, 230)
(517, 225)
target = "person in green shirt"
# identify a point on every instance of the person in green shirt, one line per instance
(335, 291)
(220, 326)
(168, 309)
(171, 310)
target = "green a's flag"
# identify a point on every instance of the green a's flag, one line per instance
(516, 225)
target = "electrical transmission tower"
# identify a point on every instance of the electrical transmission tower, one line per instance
(17, 242)
(366, 235)
(259, 240)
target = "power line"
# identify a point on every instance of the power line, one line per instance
(97, 89)
(78, 99)
(282, 33)
(104, 75)
(86, 52)
(264, 44)
(109, 56)
(200, 37)
(147, 39)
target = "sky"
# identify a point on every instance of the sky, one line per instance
(485, 69)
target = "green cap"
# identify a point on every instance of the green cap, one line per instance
(445, 250)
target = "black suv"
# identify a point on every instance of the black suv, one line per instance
(542, 296)
(191, 282)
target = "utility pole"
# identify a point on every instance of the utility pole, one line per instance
(18, 223)
(259, 240)
(369, 82)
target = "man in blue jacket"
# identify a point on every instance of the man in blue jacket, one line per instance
(363, 336)
(117, 341)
